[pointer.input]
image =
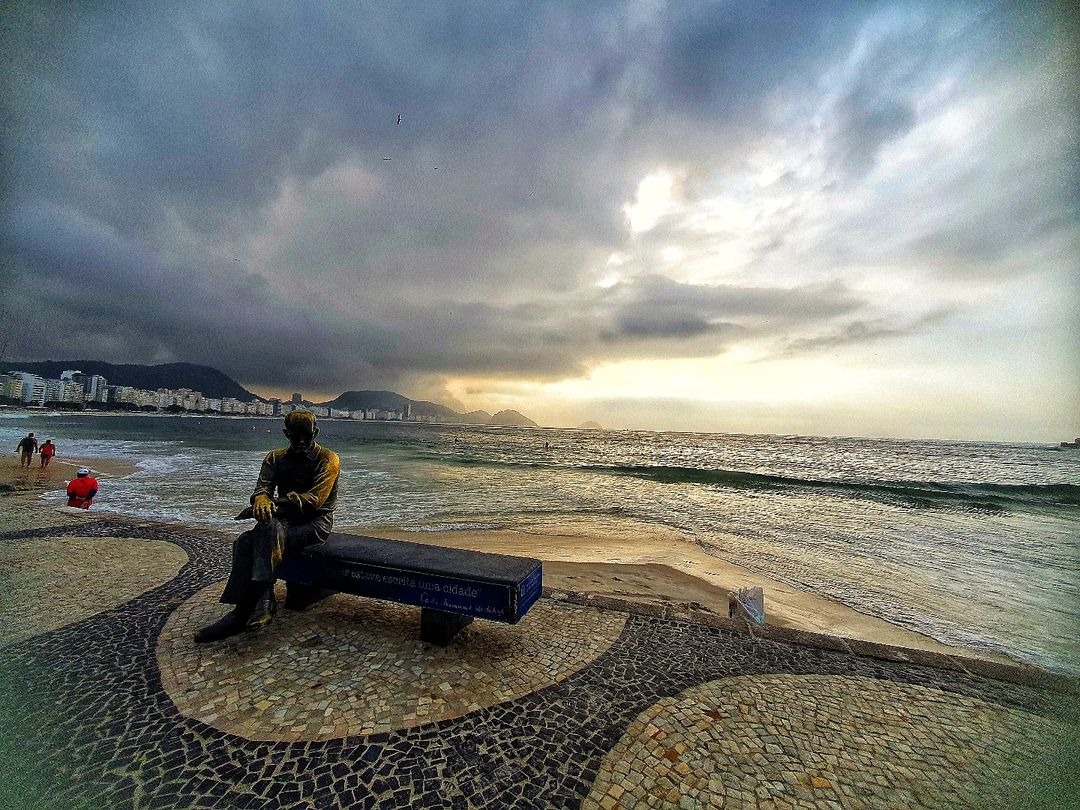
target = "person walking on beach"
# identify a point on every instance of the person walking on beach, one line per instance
(46, 451)
(27, 447)
(293, 506)
(82, 489)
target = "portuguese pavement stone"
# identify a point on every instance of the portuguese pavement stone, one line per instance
(576, 706)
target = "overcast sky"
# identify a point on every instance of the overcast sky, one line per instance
(854, 219)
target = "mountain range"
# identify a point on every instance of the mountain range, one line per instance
(217, 384)
(210, 381)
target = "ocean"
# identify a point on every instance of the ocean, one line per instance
(975, 544)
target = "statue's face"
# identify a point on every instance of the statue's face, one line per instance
(301, 438)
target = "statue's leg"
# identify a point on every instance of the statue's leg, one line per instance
(268, 547)
(256, 554)
(297, 538)
(250, 587)
(239, 583)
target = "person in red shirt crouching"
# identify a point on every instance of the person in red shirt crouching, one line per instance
(82, 489)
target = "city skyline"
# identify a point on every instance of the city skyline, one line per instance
(73, 387)
(778, 218)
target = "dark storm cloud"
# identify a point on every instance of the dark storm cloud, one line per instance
(100, 289)
(652, 317)
(206, 182)
(867, 121)
(726, 55)
(1007, 184)
(877, 101)
(658, 308)
(861, 332)
(241, 322)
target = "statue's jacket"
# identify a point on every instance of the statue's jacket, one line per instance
(304, 486)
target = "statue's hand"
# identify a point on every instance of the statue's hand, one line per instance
(262, 509)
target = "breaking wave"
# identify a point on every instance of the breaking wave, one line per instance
(916, 494)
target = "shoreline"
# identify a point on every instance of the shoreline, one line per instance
(649, 570)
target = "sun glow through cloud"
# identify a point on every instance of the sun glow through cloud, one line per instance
(653, 201)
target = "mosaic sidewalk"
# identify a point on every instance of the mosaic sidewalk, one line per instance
(577, 706)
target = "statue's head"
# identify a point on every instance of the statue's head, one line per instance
(301, 430)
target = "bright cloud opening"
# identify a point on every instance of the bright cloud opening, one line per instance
(654, 199)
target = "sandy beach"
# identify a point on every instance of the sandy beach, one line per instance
(657, 567)
(33, 480)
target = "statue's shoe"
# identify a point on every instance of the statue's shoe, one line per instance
(231, 624)
(264, 612)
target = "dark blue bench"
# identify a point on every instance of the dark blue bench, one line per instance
(450, 586)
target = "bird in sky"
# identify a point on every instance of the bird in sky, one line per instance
(399, 118)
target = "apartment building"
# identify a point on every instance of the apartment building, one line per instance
(32, 390)
(64, 391)
(11, 386)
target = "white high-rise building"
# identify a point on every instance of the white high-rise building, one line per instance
(96, 388)
(33, 388)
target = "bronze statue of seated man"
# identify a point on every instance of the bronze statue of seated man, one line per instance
(293, 506)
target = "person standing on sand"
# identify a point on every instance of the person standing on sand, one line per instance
(293, 506)
(82, 489)
(46, 451)
(27, 447)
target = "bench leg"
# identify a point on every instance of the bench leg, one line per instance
(439, 628)
(301, 597)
